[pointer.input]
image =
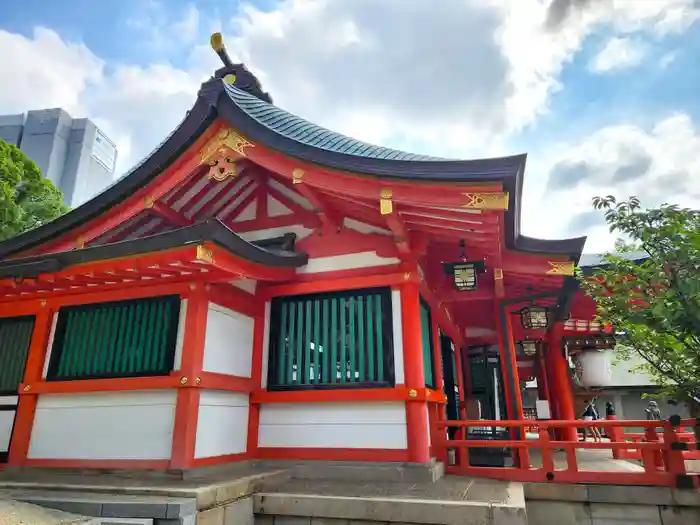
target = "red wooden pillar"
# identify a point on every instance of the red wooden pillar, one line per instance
(561, 382)
(26, 408)
(461, 382)
(187, 407)
(414, 375)
(261, 317)
(511, 379)
(542, 382)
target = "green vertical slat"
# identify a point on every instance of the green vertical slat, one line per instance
(7, 340)
(351, 329)
(122, 340)
(282, 347)
(144, 343)
(427, 345)
(300, 340)
(332, 339)
(118, 340)
(342, 310)
(82, 328)
(136, 319)
(124, 362)
(318, 355)
(380, 337)
(162, 326)
(307, 343)
(110, 331)
(361, 339)
(328, 358)
(170, 315)
(95, 342)
(289, 366)
(24, 340)
(4, 359)
(371, 349)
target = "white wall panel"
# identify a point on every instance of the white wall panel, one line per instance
(106, 425)
(380, 425)
(228, 345)
(222, 426)
(397, 327)
(350, 261)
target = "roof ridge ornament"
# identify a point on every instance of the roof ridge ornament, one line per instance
(236, 74)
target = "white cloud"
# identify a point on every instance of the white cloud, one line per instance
(659, 164)
(454, 77)
(619, 53)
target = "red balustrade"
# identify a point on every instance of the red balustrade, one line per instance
(662, 449)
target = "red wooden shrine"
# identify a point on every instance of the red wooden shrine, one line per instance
(315, 312)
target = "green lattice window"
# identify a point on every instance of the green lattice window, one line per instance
(116, 339)
(15, 337)
(426, 324)
(332, 340)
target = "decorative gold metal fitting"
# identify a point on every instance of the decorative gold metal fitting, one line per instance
(386, 206)
(221, 153)
(497, 273)
(204, 254)
(26, 388)
(487, 201)
(43, 303)
(412, 393)
(198, 380)
(561, 268)
(148, 202)
(183, 380)
(230, 79)
(80, 242)
(297, 175)
(217, 42)
(407, 276)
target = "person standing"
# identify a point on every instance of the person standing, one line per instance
(653, 412)
(590, 413)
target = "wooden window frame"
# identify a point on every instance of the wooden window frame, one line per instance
(433, 383)
(15, 319)
(59, 338)
(387, 357)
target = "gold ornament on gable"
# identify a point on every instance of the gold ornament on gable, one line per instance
(221, 153)
(561, 268)
(487, 201)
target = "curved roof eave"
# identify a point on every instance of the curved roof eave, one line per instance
(274, 127)
(206, 231)
(215, 98)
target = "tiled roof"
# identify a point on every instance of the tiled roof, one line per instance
(305, 132)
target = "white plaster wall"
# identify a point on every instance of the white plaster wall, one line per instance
(7, 419)
(255, 235)
(350, 261)
(228, 343)
(380, 425)
(109, 425)
(222, 426)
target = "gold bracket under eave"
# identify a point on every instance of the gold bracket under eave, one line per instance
(487, 201)
(561, 268)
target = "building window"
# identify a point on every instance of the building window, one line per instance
(15, 336)
(426, 324)
(117, 339)
(331, 340)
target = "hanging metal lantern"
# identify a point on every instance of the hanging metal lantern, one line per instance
(534, 317)
(464, 272)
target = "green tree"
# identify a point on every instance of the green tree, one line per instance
(654, 301)
(27, 199)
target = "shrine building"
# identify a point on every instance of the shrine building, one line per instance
(259, 287)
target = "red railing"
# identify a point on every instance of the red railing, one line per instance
(685, 435)
(661, 452)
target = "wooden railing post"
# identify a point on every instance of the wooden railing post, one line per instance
(673, 450)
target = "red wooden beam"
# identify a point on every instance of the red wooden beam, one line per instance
(398, 229)
(321, 208)
(164, 212)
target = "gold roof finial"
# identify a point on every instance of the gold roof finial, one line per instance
(217, 42)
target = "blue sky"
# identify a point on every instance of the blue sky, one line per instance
(601, 92)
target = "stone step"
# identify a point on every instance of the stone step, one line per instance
(307, 509)
(111, 508)
(358, 471)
